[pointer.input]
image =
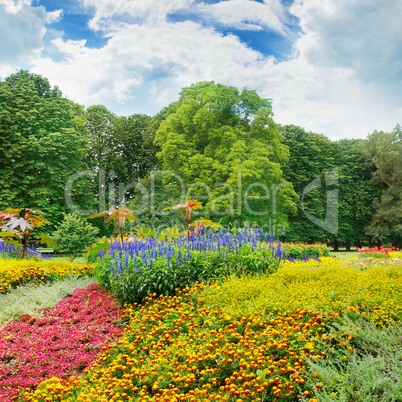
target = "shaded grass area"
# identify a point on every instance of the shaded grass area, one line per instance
(345, 255)
(33, 297)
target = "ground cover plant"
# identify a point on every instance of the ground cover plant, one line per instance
(133, 270)
(66, 339)
(16, 272)
(249, 336)
(33, 298)
(372, 373)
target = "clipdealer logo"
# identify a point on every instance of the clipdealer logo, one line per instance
(331, 222)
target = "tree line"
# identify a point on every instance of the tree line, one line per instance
(215, 144)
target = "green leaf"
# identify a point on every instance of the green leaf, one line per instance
(48, 241)
(7, 233)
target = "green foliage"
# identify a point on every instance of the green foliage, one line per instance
(33, 298)
(356, 191)
(221, 143)
(159, 191)
(373, 372)
(73, 235)
(43, 142)
(383, 151)
(311, 156)
(163, 277)
(303, 250)
(121, 150)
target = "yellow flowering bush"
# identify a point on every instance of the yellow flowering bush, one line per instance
(329, 285)
(15, 272)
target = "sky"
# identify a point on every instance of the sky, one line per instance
(330, 66)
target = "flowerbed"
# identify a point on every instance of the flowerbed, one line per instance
(11, 251)
(304, 250)
(65, 340)
(375, 252)
(134, 270)
(175, 349)
(14, 272)
(330, 285)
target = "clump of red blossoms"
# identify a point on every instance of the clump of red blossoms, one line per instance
(63, 342)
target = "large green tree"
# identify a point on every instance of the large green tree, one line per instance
(311, 157)
(227, 150)
(383, 151)
(134, 152)
(356, 193)
(121, 151)
(42, 143)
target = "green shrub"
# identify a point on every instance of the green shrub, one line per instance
(73, 234)
(136, 282)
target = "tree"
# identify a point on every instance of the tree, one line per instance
(99, 122)
(121, 152)
(311, 156)
(133, 153)
(228, 151)
(42, 143)
(383, 151)
(356, 192)
(73, 234)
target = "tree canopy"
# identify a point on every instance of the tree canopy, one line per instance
(227, 149)
(215, 144)
(43, 142)
(383, 151)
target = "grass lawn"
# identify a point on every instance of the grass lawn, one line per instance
(345, 255)
(78, 260)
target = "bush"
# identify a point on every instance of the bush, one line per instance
(74, 234)
(134, 270)
(304, 250)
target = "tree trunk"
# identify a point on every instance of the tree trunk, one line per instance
(336, 245)
(348, 246)
(358, 243)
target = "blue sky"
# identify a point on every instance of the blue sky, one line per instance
(330, 66)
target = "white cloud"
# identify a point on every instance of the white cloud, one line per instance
(343, 78)
(13, 6)
(364, 35)
(54, 16)
(148, 64)
(247, 14)
(155, 10)
(21, 31)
